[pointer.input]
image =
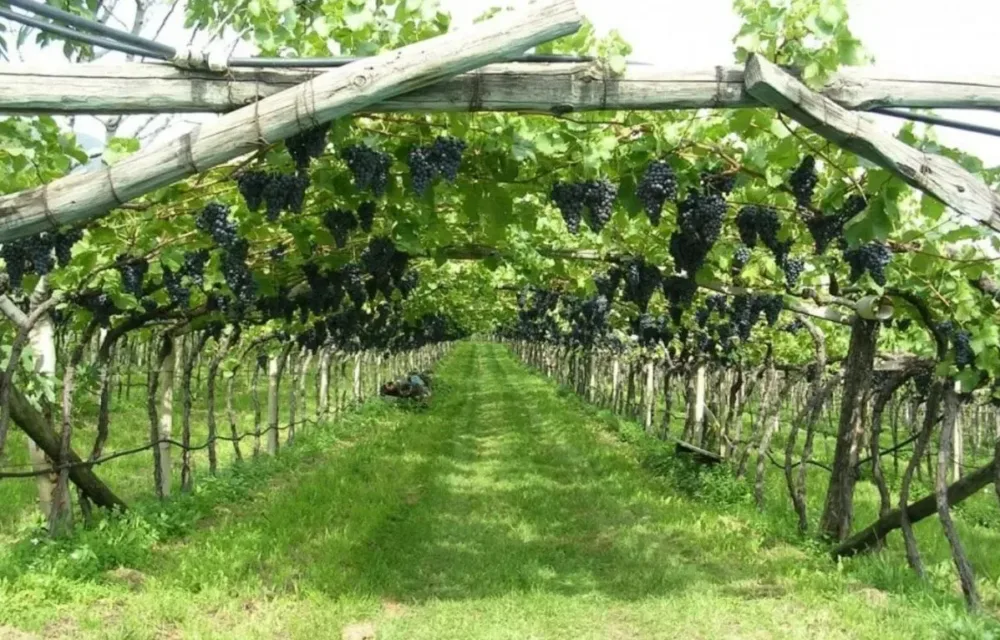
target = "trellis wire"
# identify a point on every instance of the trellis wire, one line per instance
(147, 447)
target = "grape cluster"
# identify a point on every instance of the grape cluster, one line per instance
(101, 306)
(571, 200)
(741, 258)
(214, 220)
(717, 302)
(597, 197)
(353, 279)
(446, 154)
(377, 257)
(306, 145)
(38, 249)
(366, 215)
(650, 330)
(743, 316)
(600, 198)
(758, 223)
(964, 355)
(422, 171)
(194, 266)
(699, 224)
(369, 167)
(607, 283)
(680, 293)
(408, 283)
(174, 283)
(718, 184)
(63, 242)
(794, 326)
(770, 306)
(34, 254)
(15, 258)
(641, 281)
(827, 228)
(285, 192)
(133, 272)
(443, 157)
(237, 274)
(873, 258)
(803, 181)
(702, 315)
(340, 223)
(252, 185)
(658, 184)
(793, 268)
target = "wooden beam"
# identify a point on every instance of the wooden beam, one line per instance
(532, 87)
(936, 175)
(869, 537)
(333, 94)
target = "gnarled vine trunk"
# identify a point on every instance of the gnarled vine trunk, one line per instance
(838, 511)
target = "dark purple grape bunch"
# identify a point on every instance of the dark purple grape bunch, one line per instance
(214, 220)
(658, 184)
(741, 258)
(133, 273)
(442, 158)
(306, 145)
(340, 223)
(871, 258)
(803, 181)
(571, 199)
(366, 215)
(369, 167)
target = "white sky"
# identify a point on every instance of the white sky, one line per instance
(915, 37)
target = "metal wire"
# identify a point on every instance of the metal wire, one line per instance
(943, 122)
(93, 26)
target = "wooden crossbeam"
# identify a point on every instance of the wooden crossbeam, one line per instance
(334, 94)
(936, 175)
(533, 87)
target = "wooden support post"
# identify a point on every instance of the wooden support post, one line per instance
(649, 396)
(166, 426)
(936, 175)
(334, 94)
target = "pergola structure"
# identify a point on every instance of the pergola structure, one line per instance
(452, 73)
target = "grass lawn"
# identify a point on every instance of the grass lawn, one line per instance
(505, 511)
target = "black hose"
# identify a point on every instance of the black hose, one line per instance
(944, 122)
(70, 34)
(93, 26)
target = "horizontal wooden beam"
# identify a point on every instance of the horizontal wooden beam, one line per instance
(333, 94)
(531, 87)
(936, 175)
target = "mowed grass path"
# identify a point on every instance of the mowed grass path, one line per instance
(504, 511)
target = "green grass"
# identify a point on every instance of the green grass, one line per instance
(506, 510)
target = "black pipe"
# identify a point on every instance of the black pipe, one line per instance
(944, 122)
(93, 26)
(70, 34)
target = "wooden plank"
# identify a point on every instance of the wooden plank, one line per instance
(936, 175)
(334, 94)
(533, 87)
(869, 537)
